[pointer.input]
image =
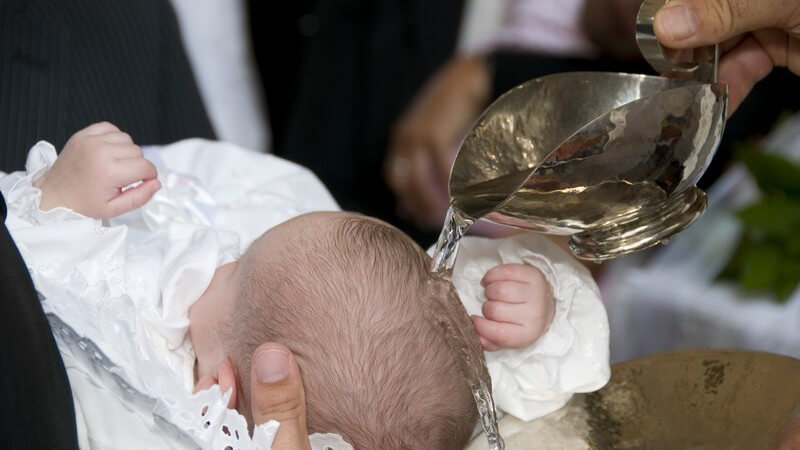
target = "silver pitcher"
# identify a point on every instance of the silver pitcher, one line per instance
(611, 159)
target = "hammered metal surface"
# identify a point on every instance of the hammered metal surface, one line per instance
(684, 400)
(609, 158)
(696, 400)
(601, 153)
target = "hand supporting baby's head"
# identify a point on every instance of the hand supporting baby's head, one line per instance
(344, 293)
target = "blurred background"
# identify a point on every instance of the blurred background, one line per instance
(352, 85)
(375, 98)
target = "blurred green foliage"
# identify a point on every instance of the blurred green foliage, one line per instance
(768, 256)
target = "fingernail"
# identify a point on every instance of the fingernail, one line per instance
(678, 21)
(271, 366)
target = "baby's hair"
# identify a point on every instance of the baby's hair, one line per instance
(346, 299)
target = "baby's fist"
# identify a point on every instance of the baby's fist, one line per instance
(90, 173)
(519, 307)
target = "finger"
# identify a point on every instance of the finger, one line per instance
(730, 44)
(119, 137)
(513, 292)
(505, 335)
(126, 151)
(128, 171)
(99, 128)
(132, 198)
(695, 23)
(513, 272)
(277, 393)
(487, 345)
(783, 50)
(515, 313)
(742, 68)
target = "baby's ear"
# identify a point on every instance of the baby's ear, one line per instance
(225, 377)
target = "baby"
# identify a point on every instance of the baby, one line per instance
(345, 293)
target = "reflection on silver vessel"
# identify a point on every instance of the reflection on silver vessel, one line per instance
(611, 159)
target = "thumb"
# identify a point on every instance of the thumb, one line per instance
(132, 198)
(696, 23)
(277, 393)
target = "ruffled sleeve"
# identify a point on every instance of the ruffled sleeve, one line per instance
(61, 247)
(23, 198)
(572, 356)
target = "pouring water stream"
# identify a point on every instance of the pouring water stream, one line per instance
(444, 257)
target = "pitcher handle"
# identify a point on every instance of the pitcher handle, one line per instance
(704, 67)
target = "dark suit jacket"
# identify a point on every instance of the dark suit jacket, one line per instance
(67, 64)
(363, 62)
(37, 410)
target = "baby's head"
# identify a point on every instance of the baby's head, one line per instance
(346, 294)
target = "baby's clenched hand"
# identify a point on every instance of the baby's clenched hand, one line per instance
(91, 171)
(518, 310)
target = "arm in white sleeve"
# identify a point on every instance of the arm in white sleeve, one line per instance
(23, 198)
(224, 186)
(59, 244)
(573, 354)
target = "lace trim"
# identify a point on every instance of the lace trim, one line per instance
(24, 199)
(201, 418)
